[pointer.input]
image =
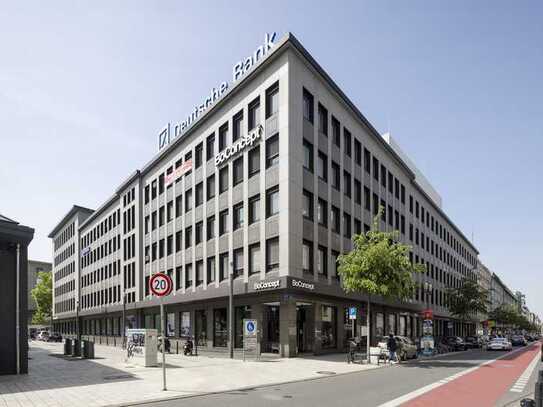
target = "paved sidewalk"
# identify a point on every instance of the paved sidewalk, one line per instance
(55, 380)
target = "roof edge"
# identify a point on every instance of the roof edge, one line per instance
(69, 214)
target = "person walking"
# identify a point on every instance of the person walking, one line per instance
(392, 347)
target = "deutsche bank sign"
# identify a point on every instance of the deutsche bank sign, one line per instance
(239, 145)
(171, 131)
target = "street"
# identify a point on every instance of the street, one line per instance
(460, 379)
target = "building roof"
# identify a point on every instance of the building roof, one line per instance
(65, 218)
(12, 231)
(6, 219)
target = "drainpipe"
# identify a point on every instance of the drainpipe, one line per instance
(17, 310)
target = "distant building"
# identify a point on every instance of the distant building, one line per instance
(501, 294)
(34, 267)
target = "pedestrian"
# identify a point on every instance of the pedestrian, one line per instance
(392, 346)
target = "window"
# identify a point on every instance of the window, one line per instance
(336, 183)
(198, 155)
(347, 184)
(357, 192)
(153, 189)
(220, 327)
(307, 208)
(383, 213)
(367, 203)
(254, 161)
(334, 219)
(322, 166)
(272, 201)
(210, 186)
(178, 241)
(161, 215)
(188, 237)
(237, 124)
(347, 141)
(223, 266)
(169, 245)
(272, 151)
(357, 226)
(178, 205)
(383, 176)
(308, 105)
(237, 171)
(390, 182)
(169, 211)
(322, 211)
(321, 261)
(307, 256)
(254, 209)
(210, 227)
(210, 146)
(272, 100)
(199, 232)
(160, 249)
(347, 225)
(188, 275)
(396, 188)
(199, 272)
(238, 262)
(308, 155)
(254, 259)
(323, 120)
(335, 256)
(272, 254)
(254, 114)
(147, 194)
(336, 130)
(211, 269)
(199, 194)
(376, 169)
(223, 180)
(357, 152)
(188, 200)
(367, 161)
(223, 135)
(161, 184)
(329, 326)
(237, 216)
(223, 222)
(402, 190)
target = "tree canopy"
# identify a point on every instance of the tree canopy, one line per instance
(42, 293)
(379, 265)
(468, 300)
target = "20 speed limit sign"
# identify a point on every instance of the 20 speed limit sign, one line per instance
(160, 284)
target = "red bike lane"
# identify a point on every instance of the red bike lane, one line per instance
(481, 387)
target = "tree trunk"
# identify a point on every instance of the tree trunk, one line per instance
(368, 321)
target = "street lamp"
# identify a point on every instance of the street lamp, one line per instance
(231, 309)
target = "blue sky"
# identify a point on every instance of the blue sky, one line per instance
(85, 86)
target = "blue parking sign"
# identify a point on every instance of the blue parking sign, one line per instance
(352, 312)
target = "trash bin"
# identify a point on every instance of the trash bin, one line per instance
(68, 346)
(88, 350)
(76, 347)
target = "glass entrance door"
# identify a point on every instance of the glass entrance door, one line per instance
(305, 322)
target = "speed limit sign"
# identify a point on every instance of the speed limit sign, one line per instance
(160, 284)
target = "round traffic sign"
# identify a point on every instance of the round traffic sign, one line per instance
(160, 284)
(250, 326)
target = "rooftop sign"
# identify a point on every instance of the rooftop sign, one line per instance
(171, 131)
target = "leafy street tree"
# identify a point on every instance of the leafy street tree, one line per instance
(378, 265)
(43, 295)
(468, 300)
(505, 314)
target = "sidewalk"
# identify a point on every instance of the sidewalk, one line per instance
(55, 380)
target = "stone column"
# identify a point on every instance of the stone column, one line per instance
(287, 327)
(257, 313)
(317, 317)
(209, 327)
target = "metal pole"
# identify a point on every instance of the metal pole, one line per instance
(368, 319)
(123, 332)
(231, 311)
(17, 309)
(163, 344)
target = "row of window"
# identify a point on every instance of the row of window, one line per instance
(65, 254)
(101, 228)
(67, 287)
(64, 236)
(109, 295)
(66, 270)
(105, 249)
(101, 274)
(65, 306)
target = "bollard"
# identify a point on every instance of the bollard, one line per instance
(67, 347)
(76, 348)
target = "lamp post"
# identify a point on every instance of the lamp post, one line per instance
(231, 310)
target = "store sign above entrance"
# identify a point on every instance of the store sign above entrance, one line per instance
(267, 285)
(303, 284)
(242, 67)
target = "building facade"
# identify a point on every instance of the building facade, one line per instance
(269, 183)
(34, 267)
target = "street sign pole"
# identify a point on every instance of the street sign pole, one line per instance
(163, 343)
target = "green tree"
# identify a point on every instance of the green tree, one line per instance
(378, 265)
(468, 300)
(505, 314)
(42, 294)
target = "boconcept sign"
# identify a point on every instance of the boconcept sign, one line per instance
(241, 67)
(239, 145)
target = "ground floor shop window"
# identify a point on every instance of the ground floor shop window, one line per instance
(403, 326)
(329, 326)
(149, 322)
(392, 324)
(379, 324)
(200, 327)
(242, 313)
(220, 327)
(158, 324)
(170, 324)
(271, 329)
(184, 324)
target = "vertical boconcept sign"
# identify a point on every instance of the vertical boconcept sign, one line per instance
(171, 131)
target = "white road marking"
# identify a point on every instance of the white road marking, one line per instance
(524, 378)
(419, 392)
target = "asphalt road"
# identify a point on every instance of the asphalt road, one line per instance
(368, 388)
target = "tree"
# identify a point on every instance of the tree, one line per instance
(468, 300)
(505, 314)
(42, 294)
(378, 265)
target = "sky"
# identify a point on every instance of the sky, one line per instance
(85, 87)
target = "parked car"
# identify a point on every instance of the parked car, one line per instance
(54, 337)
(472, 342)
(406, 349)
(518, 340)
(42, 336)
(455, 343)
(499, 344)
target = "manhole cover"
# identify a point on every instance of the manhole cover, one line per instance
(287, 397)
(118, 377)
(326, 372)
